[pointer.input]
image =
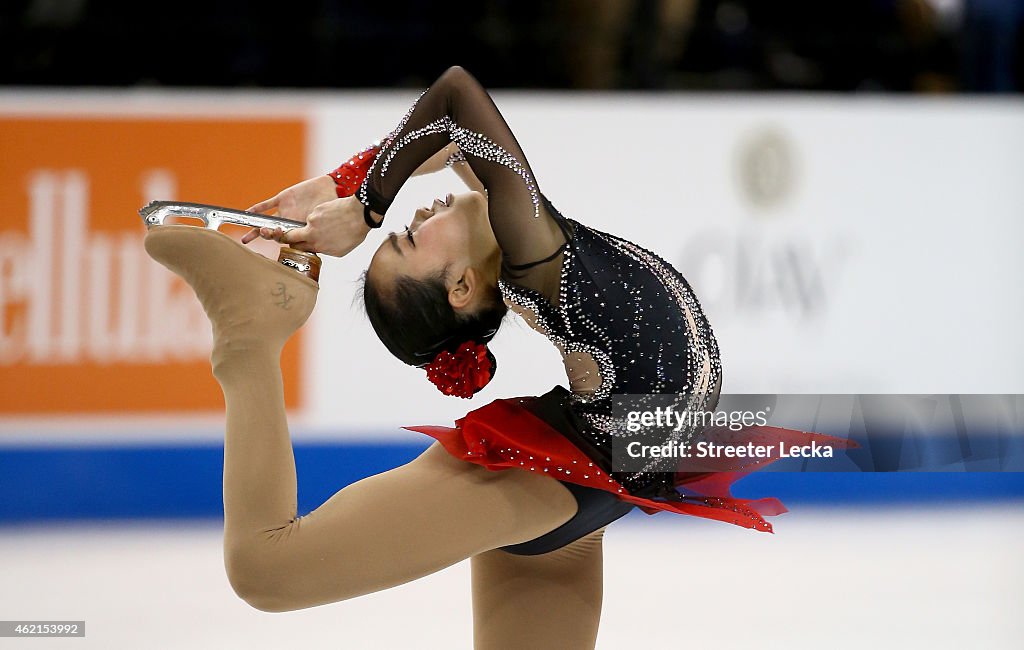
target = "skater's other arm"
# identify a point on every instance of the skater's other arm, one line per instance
(456, 108)
(452, 156)
(318, 195)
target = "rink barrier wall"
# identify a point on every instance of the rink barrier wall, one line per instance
(57, 483)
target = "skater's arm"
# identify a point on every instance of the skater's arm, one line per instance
(456, 108)
(452, 156)
(457, 161)
(314, 199)
(298, 201)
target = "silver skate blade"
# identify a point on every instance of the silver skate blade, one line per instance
(212, 216)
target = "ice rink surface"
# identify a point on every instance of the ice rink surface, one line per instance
(844, 578)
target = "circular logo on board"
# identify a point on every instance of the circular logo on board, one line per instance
(766, 167)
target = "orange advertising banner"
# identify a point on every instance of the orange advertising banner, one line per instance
(88, 322)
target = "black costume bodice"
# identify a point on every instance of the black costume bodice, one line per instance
(639, 320)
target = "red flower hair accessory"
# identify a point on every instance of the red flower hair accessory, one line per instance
(463, 372)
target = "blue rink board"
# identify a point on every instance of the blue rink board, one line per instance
(120, 482)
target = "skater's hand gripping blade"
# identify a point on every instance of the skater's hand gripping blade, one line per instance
(241, 291)
(157, 213)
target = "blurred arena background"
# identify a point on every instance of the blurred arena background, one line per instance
(841, 182)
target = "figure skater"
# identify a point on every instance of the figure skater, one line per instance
(524, 487)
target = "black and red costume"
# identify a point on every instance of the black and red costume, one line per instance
(625, 320)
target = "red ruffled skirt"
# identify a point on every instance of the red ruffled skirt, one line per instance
(504, 435)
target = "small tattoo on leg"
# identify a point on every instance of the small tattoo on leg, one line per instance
(285, 297)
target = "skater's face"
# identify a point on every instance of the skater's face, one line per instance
(453, 233)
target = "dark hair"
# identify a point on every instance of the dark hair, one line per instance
(415, 321)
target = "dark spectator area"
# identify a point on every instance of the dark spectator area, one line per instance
(928, 46)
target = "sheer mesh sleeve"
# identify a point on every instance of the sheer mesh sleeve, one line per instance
(458, 109)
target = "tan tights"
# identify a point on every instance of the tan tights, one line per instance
(387, 529)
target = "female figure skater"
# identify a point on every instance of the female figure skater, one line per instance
(624, 320)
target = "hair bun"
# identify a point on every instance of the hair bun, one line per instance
(465, 371)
